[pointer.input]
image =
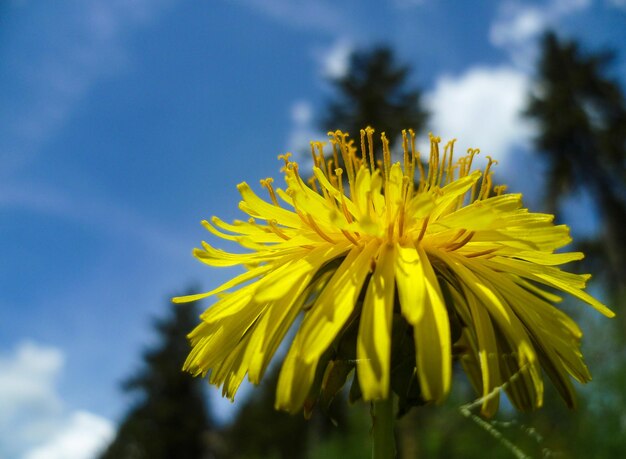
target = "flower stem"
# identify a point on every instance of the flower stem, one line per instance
(382, 429)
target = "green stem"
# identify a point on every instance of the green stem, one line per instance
(382, 429)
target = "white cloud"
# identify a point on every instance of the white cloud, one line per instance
(518, 25)
(81, 437)
(482, 109)
(334, 61)
(27, 395)
(34, 424)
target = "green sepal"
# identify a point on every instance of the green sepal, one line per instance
(335, 378)
(404, 382)
(355, 389)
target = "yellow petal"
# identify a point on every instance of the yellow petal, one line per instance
(554, 277)
(484, 287)
(410, 280)
(295, 381)
(374, 338)
(336, 302)
(256, 207)
(240, 279)
(432, 337)
(487, 354)
(451, 192)
(284, 308)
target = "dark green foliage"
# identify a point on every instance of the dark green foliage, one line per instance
(259, 431)
(373, 93)
(581, 115)
(169, 418)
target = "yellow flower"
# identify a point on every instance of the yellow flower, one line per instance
(437, 248)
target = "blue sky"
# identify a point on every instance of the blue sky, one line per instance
(124, 123)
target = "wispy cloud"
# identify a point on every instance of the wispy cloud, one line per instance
(95, 212)
(319, 15)
(34, 423)
(518, 24)
(618, 3)
(62, 66)
(406, 4)
(302, 132)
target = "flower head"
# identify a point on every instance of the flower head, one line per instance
(395, 270)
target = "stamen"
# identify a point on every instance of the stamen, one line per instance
(488, 182)
(405, 191)
(450, 167)
(349, 158)
(405, 149)
(424, 226)
(313, 155)
(406, 185)
(433, 163)
(331, 177)
(274, 227)
(350, 237)
(499, 190)
(370, 141)
(312, 182)
(363, 154)
(252, 221)
(285, 157)
(318, 230)
(294, 168)
(338, 174)
(267, 183)
(386, 155)
(486, 185)
(462, 163)
(320, 161)
(335, 154)
(458, 234)
(344, 207)
(460, 244)
(347, 154)
(442, 166)
(471, 152)
(481, 253)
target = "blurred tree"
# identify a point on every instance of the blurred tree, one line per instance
(170, 418)
(581, 115)
(374, 92)
(259, 431)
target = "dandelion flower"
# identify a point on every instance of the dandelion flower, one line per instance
(372, 256)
